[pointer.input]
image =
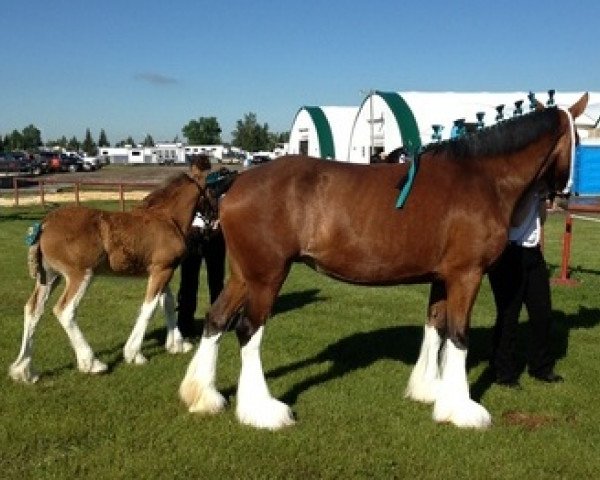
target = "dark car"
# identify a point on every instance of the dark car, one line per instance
(71, 163)
(18, 162)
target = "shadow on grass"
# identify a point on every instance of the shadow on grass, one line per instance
(402, 343)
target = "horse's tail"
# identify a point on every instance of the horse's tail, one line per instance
(34, 260)
(34, 255)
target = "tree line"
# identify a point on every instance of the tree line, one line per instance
(249, 135)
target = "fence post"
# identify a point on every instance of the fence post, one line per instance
(16, 189)
(121, 197)
(564, 279)
(77, 193)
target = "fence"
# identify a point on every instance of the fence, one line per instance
(118, 186)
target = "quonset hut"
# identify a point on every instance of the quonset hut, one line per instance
(322, 132)
(388, 120)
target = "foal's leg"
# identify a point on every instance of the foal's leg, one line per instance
(75, 287)
(22, 369)
(197, 389)
(174, 342)
(156, 285)
(453, 403)
(424, 380)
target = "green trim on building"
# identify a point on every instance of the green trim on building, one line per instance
(409, 131)
(326, 146)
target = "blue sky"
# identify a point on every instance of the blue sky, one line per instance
(146, 66)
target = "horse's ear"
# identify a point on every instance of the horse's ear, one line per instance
(577, 108)
(539, 106)
(199, 174)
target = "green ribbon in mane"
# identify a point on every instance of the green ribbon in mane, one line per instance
(407, 182)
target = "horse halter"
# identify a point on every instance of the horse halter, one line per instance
(569, 184)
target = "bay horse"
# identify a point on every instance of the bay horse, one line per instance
(76, 242)
(341, 219)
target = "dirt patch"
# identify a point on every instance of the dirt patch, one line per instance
(530, 421)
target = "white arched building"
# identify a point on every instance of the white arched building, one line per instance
(388, 120)
(322, 131)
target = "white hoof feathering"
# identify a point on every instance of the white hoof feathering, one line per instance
(197, 390)
(255, 405)
(270, 413)
(201, 399)
(453, 404)
(465, 413)
(423, 384)
(181, 346)
(23, 372)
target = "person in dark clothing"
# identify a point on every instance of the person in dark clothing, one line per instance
(520, 277)
(202, 245)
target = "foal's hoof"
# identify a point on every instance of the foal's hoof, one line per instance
(23, 373)
(182, 346)
(137, 359)
(92, 366)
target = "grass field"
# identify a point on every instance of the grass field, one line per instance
(340, 355)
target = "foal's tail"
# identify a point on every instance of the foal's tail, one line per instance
(34, 255)
(34, 260)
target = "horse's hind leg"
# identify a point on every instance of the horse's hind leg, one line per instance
(174, 342)
(76, 285)
(197, 389)
(22, 369)
(424, 379)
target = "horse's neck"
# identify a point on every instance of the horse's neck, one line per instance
(182, 213)
(515, 173)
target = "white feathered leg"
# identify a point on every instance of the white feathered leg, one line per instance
(255, 405)
(453, 403)
(86, 361)
(424, 380)
(133, 346)
(197, 390)
(174, 342)
(22, 369)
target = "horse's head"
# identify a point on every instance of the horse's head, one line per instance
(562, 157)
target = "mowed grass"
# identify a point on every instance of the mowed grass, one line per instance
(340, 355)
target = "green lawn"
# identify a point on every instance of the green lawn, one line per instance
(340, 355)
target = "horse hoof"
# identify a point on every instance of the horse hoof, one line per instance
(201, 400)
(270, 414)
(137, 359)
(182, 346)
(98, 366)
(23, 373)
(467, 414)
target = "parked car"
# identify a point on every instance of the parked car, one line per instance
(71, 163)
(19, 162)
(91, 163)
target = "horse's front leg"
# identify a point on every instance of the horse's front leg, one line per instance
(423, 383)
(197, 389)
(453, 403)
(157, 281)
(174, 342)
(255, 404)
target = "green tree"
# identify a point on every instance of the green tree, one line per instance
(249, 135)
(102, 140)
(148, 141)
(88, 145)
(15, 141)
(204, 131)
(32, 138)
(73, 144)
